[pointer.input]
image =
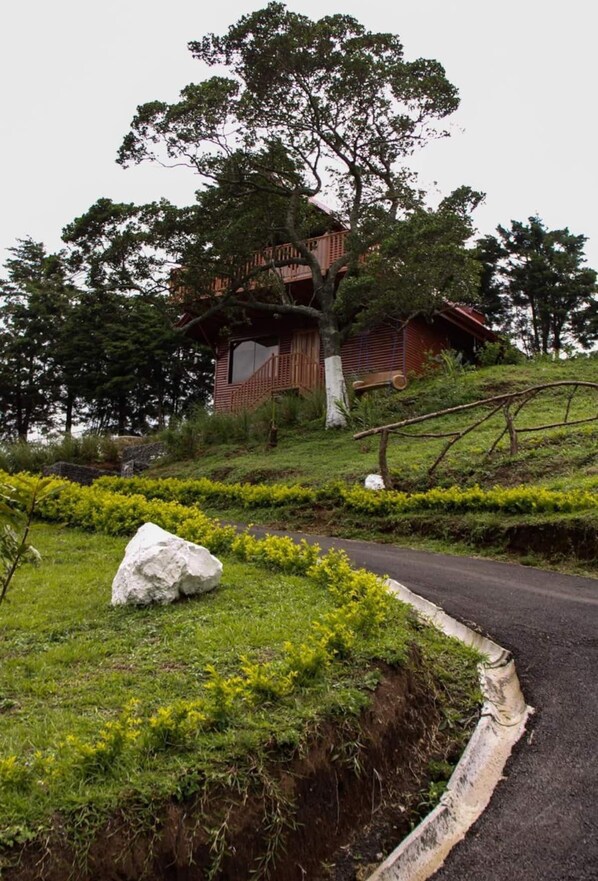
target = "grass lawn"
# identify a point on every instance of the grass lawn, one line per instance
(308, 454)
(70, 664)
(562, 458)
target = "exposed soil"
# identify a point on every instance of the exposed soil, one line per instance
(569, 537)
(329, 812)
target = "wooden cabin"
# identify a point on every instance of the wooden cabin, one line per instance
(273, 354)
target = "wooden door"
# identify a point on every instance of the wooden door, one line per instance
(306, 370)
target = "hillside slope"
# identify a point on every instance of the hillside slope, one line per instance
(231, 449)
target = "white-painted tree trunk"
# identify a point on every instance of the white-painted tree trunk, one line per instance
(336, 392)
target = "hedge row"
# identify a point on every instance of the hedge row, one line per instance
(190, 492)
(509, 500)
(513, 500)
(361, 606)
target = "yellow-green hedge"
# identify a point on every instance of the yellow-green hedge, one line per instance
(190, 492)
(361, 605)
(513, 500)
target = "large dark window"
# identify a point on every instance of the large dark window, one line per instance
(247, 356)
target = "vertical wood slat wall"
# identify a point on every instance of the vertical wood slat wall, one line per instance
(378, 349)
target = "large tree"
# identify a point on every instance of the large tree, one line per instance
(89, 355)
(306, 109)
(35, 299)
(535, 282)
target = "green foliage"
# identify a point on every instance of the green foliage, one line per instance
(421, 263)
(536, 283)
(101, 756)
(188, 437)
(88, 449)
(20, 497)
(35, 301)
(512, 500)
(173, 727)
(361, 607)
(226, 682)
(500, 352)
(113, 359)
(192, 492)
(519, 499)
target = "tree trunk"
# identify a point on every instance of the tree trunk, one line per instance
(336, 391)
(68, 414)
(122, 416)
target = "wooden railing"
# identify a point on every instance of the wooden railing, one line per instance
(326, 248)
(294, 371)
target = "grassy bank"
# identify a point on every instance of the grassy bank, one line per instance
(78, 676)
(563, 459)
(234, 448)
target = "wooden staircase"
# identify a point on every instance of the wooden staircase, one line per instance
(280, 373)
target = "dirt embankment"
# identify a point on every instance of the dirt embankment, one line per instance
(324, 813)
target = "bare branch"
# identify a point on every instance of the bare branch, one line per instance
(459, 436)
(482, 403)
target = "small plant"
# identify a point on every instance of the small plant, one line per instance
(266, 682)
(224, 695)
(19, 500)
(174, 725)
(499, 352)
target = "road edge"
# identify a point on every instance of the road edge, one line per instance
(502, 722)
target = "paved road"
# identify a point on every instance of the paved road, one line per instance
(542, 822)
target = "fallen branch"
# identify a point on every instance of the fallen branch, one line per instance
(511, 404)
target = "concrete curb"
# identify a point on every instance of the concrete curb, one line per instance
(502, 722)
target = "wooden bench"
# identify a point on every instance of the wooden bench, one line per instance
(384, 379)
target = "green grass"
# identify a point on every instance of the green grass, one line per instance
(308, 454)
(560, 459)
(70, 663)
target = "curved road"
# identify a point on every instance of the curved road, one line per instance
(542, 822)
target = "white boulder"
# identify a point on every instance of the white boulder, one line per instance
(374, 481)
(159, 567)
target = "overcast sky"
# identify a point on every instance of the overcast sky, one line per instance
(73, 71)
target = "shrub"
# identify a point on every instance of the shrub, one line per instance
(513, 500)
(361, 600)
(499, 352)
(32, 456)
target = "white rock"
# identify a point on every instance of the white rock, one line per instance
(374, 481)
(159, 567)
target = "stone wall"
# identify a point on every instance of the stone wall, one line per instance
(136, 459)
(84, 474)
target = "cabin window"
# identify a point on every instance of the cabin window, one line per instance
(247, 356)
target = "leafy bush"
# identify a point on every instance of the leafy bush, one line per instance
(20, 497)
(190, 492)
(512, 500)
(32, 456)
(185, 438)
(362, 605)
(499, 352)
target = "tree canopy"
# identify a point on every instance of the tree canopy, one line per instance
(299, 109)
(536, 284)
(88, 356)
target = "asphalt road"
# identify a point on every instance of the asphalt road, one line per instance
(542, 822)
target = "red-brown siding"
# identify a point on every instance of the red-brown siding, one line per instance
(378, 349)
(422, 338)
(279, 327)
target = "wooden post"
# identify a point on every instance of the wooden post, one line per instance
(511, 429)
(383, 463)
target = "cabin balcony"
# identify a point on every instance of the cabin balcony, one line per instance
(294, 371)
(327, 249)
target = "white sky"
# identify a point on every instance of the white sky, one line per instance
(73, 71)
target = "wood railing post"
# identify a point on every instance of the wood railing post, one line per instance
(383, 461)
